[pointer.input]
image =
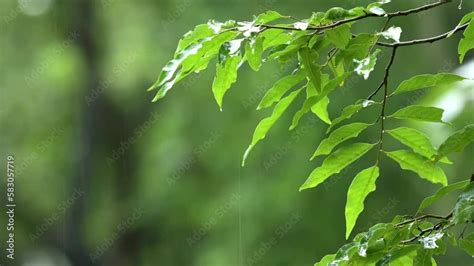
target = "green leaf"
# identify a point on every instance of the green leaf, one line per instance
(311, 101)
(311, 90)
(193, 58)
(420, 113)
(424, 257)
(357, 48)
(337, 68)
(427, 80)
(335, 162)
(253, 52)
(457, 141)
(416, 140)
(425, 168)
(337, 13)
(366, 65)
(280, 87)
(400, 257)
(338, 136)
(265, 125)
(372, 240)
(467, 42)
(441, 193)
(451, 238)
(268, 16)
(226, 75)
(274, 37)
(467, 244)
(361, 186)
(201, 31)
(318, 42)
(340, 36)
(321, 110)
(349, 111)
(317, 18)
(464, 208)
(169, 70)
(313, 72)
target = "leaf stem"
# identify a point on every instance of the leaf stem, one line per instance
(424, 217)
(366, 15)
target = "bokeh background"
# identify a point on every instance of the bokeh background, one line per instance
(105, 177)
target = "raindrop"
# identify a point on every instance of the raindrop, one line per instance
(383, 131)
(383, 117)
(363, 250)
(460, 5)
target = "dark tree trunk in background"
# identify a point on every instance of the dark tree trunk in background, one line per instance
(102, 126)
(83, 17)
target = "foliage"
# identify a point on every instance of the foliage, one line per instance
(408, 240)
(328, 51)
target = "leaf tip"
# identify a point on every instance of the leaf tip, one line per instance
(246, 153)
(156, 98)
(304, 186)
(152, 87)
(348, 233)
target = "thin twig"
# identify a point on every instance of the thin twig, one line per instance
(384, 101)
(385, 25)
(385, 78)
(424, 232)
(424, 217)
(331, 54)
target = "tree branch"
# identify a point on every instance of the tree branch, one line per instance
(426, 40)
(367, 15)
(385, 78)
(426, 231)
(382, 113)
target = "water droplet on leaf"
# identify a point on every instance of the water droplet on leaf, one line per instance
(429, 242)
(366, 103)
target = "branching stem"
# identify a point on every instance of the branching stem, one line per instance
(426, 40)
(384, 84)
(367, 15)
(424, 217)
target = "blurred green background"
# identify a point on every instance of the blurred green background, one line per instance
(105, 177)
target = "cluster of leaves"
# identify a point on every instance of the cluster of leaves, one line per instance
(413, 241)
(346, 53)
